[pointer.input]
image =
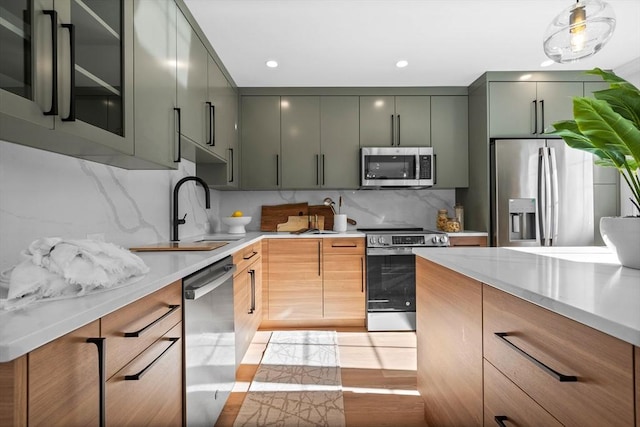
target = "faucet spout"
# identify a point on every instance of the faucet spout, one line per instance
(175, 221)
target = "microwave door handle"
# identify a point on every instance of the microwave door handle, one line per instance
(434, 169)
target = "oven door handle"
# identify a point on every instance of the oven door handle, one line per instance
(388, 251)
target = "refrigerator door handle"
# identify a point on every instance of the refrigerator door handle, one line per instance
(554, 202)
(544, 197)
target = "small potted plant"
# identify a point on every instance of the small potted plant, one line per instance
(609, 127)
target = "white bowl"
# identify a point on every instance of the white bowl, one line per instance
(236, 223)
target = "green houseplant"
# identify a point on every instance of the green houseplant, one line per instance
(609, 127)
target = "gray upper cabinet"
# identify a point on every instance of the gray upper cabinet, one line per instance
(219, 116)
(260, 133)
(300, 141)
(450, 140)
(395, 120)
(155, 82)
(68, 67)
(339, 141)
(528, 109)
(193, 88)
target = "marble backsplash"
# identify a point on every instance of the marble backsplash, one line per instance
(44, 194)
(368, 207)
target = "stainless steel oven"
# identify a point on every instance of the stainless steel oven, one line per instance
(391, 276)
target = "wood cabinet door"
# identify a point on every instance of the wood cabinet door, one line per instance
(527, 342)
(260, 142)
(64, 383)
(148, 390)
(450, 140)
(449, 345)
(504, 401)
(512, 109)
(300, 141)
(413, 121)
(467, 241)
(339, 141)
(295, 279)
(344, 286)
(242, 313)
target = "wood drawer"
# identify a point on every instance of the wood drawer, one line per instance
(148, 391)
(245, 256)
(343, 246)
(602, 364)
(467, 240)
(150, 318)
(502, 398)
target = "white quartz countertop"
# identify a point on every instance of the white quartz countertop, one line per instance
(585, 284)
(26, 329)
(468, 233)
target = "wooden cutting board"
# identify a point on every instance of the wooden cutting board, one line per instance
(271, 216)
(326, 212)
(296, 223)
(178, 246)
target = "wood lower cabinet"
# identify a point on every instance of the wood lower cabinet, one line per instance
(63, 385)
(467, 241)
(637, 363)
(311, 282)
(344, 278)
(504, 401)
(58, 384)
(147, 390)
(449, 337)
(295, 279)
(601, 392)
(247, 297)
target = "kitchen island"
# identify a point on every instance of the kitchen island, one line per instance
(532, 336)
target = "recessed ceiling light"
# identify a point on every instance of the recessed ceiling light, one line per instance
(272, 64)
(402, 63)
(547, 63)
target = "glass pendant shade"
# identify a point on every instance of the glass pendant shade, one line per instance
(579, 31)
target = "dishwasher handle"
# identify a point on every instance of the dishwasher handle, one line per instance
(195, 292)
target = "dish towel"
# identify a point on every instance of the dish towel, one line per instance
(52, 267)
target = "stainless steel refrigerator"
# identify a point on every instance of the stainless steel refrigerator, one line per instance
(541, 193)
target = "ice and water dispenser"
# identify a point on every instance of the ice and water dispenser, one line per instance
(522, 220)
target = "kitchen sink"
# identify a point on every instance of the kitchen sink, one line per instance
(220, 239)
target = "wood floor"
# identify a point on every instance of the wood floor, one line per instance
(378, 378)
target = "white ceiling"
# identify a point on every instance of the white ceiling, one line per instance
(358, 42)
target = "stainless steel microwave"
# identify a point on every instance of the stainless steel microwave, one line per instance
(413, 167)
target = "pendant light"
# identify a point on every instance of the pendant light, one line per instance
(579, 31)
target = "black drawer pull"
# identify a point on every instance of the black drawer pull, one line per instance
(136, 377)
(348, 245)
(100, 344)
(253, 253)
(139, 332)
(500, 419)
(555, 374)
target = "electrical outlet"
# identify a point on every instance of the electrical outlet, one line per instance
(96, 236)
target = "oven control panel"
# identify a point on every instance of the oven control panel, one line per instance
(407, 240)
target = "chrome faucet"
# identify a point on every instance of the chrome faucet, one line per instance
(175, 221)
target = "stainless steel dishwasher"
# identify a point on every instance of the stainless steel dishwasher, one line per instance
(210, 366)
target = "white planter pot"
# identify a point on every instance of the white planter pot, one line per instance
(622, 236)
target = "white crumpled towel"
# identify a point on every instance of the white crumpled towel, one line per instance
(54, 267)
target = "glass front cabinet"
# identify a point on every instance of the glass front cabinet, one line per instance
(67, 68)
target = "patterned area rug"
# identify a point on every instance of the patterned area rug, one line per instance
(297, 383)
